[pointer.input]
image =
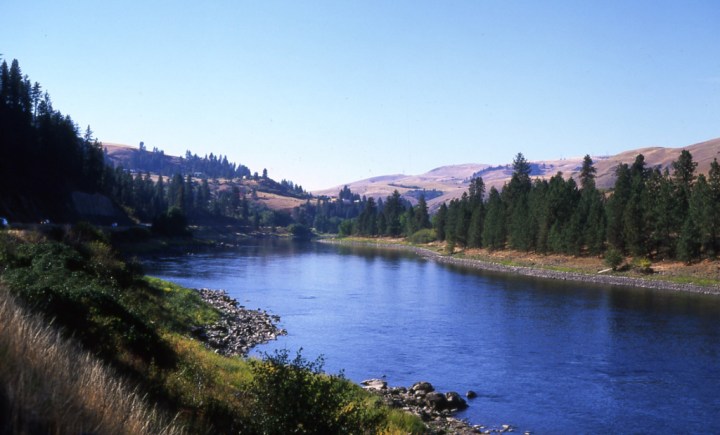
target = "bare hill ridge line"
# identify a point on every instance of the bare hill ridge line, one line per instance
(449, 182)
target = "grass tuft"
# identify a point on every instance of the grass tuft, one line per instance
(49, 385)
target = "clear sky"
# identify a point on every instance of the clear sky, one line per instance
(327, 92)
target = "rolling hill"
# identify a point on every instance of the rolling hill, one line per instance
(268, 192)
(448, 182)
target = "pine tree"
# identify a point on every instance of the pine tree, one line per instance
(634, 227)
(393, 210)
(714, 206)
(688, 247)
(701, 213)
(540, 214)
(515, 198)
(420, 215)
(658, 208)
(367, 223)
(494, 230)
(683, 177)
(587, 173)
(476, 227)
(476, 212)
(440, 221)
(616, 207)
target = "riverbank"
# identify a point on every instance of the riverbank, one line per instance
(145, 330)
(608, 277)
(238, 329)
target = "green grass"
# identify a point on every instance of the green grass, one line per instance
(56, 387)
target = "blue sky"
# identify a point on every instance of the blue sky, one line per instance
(327, 92)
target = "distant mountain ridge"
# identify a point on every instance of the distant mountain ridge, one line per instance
(453, 180)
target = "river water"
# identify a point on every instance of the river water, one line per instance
(545, 356)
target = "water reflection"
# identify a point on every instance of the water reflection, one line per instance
(548, 356)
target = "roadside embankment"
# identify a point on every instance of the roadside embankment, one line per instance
(602, 279)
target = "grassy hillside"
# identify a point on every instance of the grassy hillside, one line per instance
(454, 180)
(51, 385)
(142, 331)
(267, 192)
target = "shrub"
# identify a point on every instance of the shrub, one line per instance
(300, 232)
(642, 264)
(423, 236)
(172, 223)
(295, 396)
(613, 258)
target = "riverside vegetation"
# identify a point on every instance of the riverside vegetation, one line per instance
(140, 370)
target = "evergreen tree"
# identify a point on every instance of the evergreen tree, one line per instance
(714, 206)
(476, 211)
(688, 247)
(476, 227)
(451, 223)
(659, 211)
(494, 230)
(701, 214)
(587, 173)
(515, 198)
(591, 210)
(420, 215)
(367, 224)
(462, 223)
(616, 207)
(407, 220)
(541, 221)
(634, 228)
(393, 210)
(176, 192)
(440, 222)
(683, 177)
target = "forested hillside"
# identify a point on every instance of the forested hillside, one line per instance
(44, 158)
(46, 161)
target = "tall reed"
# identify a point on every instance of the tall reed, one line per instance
(49, 385)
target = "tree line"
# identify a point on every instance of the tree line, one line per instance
(350, 214)
(43, 158)
(42, 154)
(650, 213)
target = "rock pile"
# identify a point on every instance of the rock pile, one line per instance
(436, 409)
(238, 328)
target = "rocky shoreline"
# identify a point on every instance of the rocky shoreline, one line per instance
(239, 329)
(436, 409)
(539, 273)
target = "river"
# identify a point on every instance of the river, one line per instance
(545, 356)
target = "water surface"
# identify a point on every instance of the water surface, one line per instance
(545, 356)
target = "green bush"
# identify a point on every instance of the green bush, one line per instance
(171, 224)
(300, 232)
(295, 396)
(423, 236)
(642, 264)
(613, 258)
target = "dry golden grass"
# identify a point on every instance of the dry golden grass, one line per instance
(49, 385)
